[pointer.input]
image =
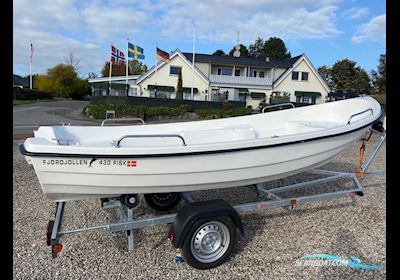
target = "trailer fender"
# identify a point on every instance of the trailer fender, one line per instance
(191, 212)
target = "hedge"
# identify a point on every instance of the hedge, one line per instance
(30, 94)
(163, 102)
(98, 111)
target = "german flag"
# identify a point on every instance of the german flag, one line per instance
(162, 55)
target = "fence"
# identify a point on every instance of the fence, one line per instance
(162, 102)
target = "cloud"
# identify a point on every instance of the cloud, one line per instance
(50, 49)
(287, 19)
(373, 31)
(86, 28)
(356, 12)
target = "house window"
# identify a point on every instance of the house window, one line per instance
(304, 76)
(306, 99)
(226, 71)
(295, 75)
(262, 74)
(254, 73)
(175, 70)
(219, 71)
(237, 72)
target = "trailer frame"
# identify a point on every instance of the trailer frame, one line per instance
(126, 216)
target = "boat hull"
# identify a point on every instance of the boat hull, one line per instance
(76, 178)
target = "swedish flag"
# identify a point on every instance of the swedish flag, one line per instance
(135, 52)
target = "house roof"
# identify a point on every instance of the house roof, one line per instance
(18, 80)
(295, 63)
(240, 61)
(159, 64)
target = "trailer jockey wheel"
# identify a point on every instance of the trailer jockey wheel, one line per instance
(162, 201)
(209, 242)
(130, 200)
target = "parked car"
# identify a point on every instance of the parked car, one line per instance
(87, 97)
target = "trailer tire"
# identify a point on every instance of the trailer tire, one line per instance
(162, 201)
(209, 242)
(130, 200)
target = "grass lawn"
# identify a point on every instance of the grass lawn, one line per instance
(20, 102)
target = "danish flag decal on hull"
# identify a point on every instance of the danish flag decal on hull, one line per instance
(131, 163)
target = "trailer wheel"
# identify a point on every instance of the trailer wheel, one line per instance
(130, 200)
(162, 201)
(209, 242)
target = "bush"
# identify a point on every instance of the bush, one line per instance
(31, 94)
(98, 111)
(162, 102)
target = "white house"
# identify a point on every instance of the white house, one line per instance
(216, 78)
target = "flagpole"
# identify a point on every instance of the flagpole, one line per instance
(109, 87)
(30, 74)
(156, 70)
(30, 65)
(191, 91)
(127, 62)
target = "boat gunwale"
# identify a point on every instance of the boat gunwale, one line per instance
(43, 154)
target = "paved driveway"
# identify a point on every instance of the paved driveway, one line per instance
(29, 116)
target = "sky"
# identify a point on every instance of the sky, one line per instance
(325, 30)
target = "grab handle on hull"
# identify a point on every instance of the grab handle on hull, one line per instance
(117, 120)
(369, 109)
(150, 136)
(277, 105)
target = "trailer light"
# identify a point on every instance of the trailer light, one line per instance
(263, 205)
(171, 237)
(57, 248)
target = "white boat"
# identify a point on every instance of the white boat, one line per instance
(79, 162)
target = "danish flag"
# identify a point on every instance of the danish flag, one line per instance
(131, 163)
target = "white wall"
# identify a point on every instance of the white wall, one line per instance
(313, 83)
(203, 67)
(165, 79)
(255, 102)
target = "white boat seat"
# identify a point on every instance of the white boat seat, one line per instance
(223, 134)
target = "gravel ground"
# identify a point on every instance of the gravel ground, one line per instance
(274, 239)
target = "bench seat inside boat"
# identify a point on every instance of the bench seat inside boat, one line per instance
(196, 137)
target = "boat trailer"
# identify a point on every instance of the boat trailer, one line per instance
(215, 217)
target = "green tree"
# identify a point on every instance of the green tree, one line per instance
(117, 70)
(379, 77)
(348, 78)
(256, 49)
(244, 52)
(179, 88)
(63, 81)
(219, 52)
(275, 49)
(41, 82)
(92, 75)
(326, 74)
(136, 67)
